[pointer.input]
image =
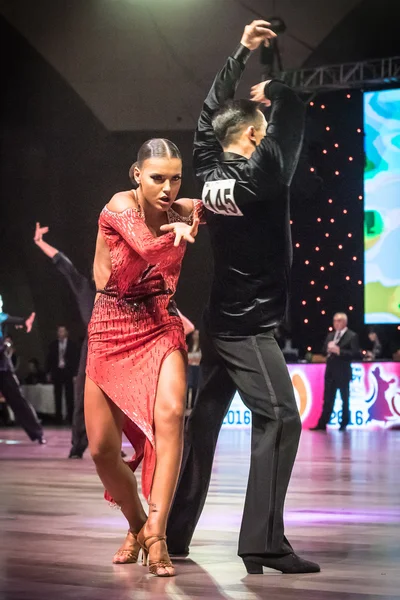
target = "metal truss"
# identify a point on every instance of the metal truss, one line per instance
(379, 72)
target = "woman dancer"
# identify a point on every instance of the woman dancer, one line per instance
(136, 369)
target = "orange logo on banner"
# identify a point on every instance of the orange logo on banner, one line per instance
(302, 394)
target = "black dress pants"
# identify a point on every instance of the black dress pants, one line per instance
(255, 366)
(63, 379)
(24, 412)
(334, 382)
(79, 437)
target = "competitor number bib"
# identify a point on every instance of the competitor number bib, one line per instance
(218, 196)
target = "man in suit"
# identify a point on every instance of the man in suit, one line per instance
(62, 363)
(341, 347)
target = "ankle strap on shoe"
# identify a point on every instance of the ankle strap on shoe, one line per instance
(156, 538)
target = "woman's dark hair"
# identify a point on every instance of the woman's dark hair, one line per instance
(154, 148)
(132, 176)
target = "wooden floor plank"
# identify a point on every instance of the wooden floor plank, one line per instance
(58, 535)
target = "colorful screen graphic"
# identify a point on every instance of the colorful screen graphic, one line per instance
(382, 206)
(374, 397)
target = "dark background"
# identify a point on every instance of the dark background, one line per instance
(59, 165)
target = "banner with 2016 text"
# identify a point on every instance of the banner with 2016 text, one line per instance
(374, 397)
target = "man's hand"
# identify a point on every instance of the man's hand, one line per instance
(39, 233)
(29, 322)
(257, 93)
(257, 33)
(333, 348)
(182, 231)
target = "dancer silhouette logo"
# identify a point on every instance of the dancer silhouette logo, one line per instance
(385, 398)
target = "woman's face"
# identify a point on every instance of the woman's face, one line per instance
(159, 180)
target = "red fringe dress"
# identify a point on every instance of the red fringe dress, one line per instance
(135, 324)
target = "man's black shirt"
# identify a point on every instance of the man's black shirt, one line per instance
(248, 202)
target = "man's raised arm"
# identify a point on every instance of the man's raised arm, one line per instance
(285, 129)
(206, 146)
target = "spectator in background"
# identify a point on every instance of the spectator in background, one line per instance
(375, 349)
(290, 353)
(62, 365)
(395, 349)
(35, 373)
(341, 347)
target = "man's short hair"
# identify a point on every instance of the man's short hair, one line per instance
(341, 315)
(230, 120)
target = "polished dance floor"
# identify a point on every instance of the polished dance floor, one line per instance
(343, 510)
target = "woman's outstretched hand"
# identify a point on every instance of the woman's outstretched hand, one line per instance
(182, 231)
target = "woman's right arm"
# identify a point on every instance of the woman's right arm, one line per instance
(121, 216)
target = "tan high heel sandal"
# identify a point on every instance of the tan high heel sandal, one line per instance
(128, 555)
(158, 564)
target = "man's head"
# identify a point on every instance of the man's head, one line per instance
(240, 124)
(33, 365)
(339, 321)
(62, 332)
(373, 335)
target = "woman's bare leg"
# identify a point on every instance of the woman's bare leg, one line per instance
(104, 421)
(169, 414)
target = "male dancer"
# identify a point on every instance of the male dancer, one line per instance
(84, 292)
(9, 385)
(246, 190)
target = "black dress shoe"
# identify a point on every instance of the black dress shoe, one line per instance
(41, 440)
(75, 455)
(342, 428)
(318, 428)
(289, 564)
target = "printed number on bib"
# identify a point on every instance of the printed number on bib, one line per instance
(219, 197)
